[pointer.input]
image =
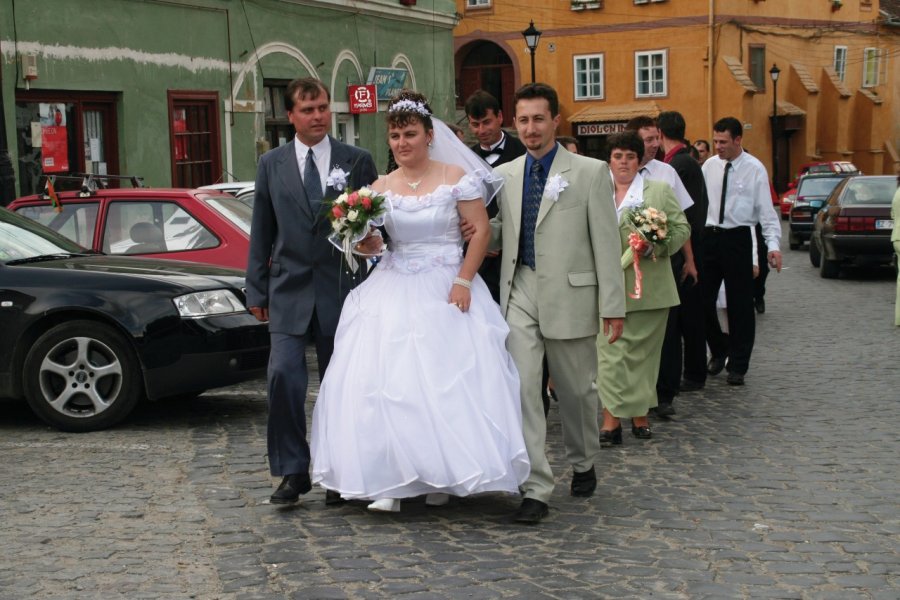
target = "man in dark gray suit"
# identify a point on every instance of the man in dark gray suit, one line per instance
(296, 280)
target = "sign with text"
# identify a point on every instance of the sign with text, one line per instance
(363, 98)
(599, 128)
(387, 81)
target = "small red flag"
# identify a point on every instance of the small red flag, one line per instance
(54, 199)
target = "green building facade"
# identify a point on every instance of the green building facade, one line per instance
(188, 92)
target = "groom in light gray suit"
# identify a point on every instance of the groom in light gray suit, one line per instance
(296, 280)
(560, 274)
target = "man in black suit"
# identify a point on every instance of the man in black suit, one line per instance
(496, 147)
(686, 322)
(296, 279)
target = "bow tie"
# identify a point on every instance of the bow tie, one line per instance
(485, 153)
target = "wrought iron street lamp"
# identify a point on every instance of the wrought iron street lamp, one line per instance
(532, 37)
(774, 72)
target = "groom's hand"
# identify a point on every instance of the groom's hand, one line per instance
(371, 245)
(612, 329)
(466, 229)
(261, 313)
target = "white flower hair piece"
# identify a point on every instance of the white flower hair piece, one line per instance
(554, 187)
(409, 106)
(337, 178)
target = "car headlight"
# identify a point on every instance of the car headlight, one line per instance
(204, 304)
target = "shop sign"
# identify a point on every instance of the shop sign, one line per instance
(363, 98)
(585, 129)
(387, 81)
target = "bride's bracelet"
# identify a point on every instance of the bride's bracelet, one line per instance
(463, 282)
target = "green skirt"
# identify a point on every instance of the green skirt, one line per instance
(627, 369)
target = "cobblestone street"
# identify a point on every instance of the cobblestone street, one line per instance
(787, 487)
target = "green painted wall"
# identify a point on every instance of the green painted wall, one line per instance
(140, 49)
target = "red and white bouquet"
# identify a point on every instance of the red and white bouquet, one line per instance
(352, 214)
(649, 226)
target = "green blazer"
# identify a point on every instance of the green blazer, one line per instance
(659, 288)
(576, 246)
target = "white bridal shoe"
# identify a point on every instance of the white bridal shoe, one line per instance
(385, 505)
(437, 499)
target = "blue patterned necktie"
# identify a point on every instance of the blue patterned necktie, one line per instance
(530, 208)
(311, 182)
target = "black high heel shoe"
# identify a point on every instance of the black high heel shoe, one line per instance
(611, 437)
(643, 432)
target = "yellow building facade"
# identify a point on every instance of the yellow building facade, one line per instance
(835, 97)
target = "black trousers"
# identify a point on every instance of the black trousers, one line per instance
(287, 383)
(686, 325)
(728, 257)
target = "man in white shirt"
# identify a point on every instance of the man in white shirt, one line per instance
(738, 188)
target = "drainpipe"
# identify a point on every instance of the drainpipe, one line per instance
(7, 174)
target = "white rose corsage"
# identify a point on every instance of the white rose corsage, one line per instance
(554, 187)
(337, 179)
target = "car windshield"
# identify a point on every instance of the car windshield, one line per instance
(818, 187)
(21, 238)
(232, 209)
(870, 190)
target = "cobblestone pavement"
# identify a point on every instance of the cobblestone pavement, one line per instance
(784, 488)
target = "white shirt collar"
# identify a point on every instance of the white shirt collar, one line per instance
(633, 197)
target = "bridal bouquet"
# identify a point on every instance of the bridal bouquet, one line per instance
(351, 215)
(649, 227)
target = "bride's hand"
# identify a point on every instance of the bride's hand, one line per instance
(371, 245)
(461, 297)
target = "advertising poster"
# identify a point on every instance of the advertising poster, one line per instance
(54, 138)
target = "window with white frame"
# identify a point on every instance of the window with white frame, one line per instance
(840, 61)
(478, 3)
(650, 73)
(870, 67)
(589, 77)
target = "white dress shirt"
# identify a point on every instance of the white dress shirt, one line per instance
(748, 200)
(495, 149)
(322, 154)
(657, 170)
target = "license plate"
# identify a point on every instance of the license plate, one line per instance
(884, 224)
(816, 204)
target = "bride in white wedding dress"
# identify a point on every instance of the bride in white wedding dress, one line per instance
(421, 396)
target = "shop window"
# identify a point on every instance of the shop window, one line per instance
(60, 133)
(279, 130)
(194, 134)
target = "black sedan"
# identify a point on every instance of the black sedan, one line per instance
(86, 336)
(812, 191)
(854, 226)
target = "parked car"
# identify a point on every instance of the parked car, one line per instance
(838, 166)
(854, 226)
(183, 224)
(246, 195)
(87, 336)
(229, 187)
(812, 191)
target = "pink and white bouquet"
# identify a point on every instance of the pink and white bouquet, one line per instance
(352, 214)
(649, 226)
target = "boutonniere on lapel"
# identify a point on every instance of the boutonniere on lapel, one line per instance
(337, 179)
(554, 187)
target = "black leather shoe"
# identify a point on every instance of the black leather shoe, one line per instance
(689, 385)
(760, 304)
(531, 511)
(584, 484)
(290, 489)
(715, 365)
(664, 410)
(611, 437)
(643, 432)
(332, 498)
(735, 379)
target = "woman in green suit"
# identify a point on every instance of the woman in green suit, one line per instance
(626, 376)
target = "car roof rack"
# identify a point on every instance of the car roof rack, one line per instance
(91, 182)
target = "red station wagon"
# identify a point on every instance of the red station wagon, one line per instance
(195, 225)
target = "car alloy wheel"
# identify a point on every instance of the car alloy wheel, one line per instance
(82, 376)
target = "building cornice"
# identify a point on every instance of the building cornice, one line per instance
(384, 10)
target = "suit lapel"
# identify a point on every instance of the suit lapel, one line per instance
(513, 197)
(341, 159)
(290, 177)
(561, 165)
